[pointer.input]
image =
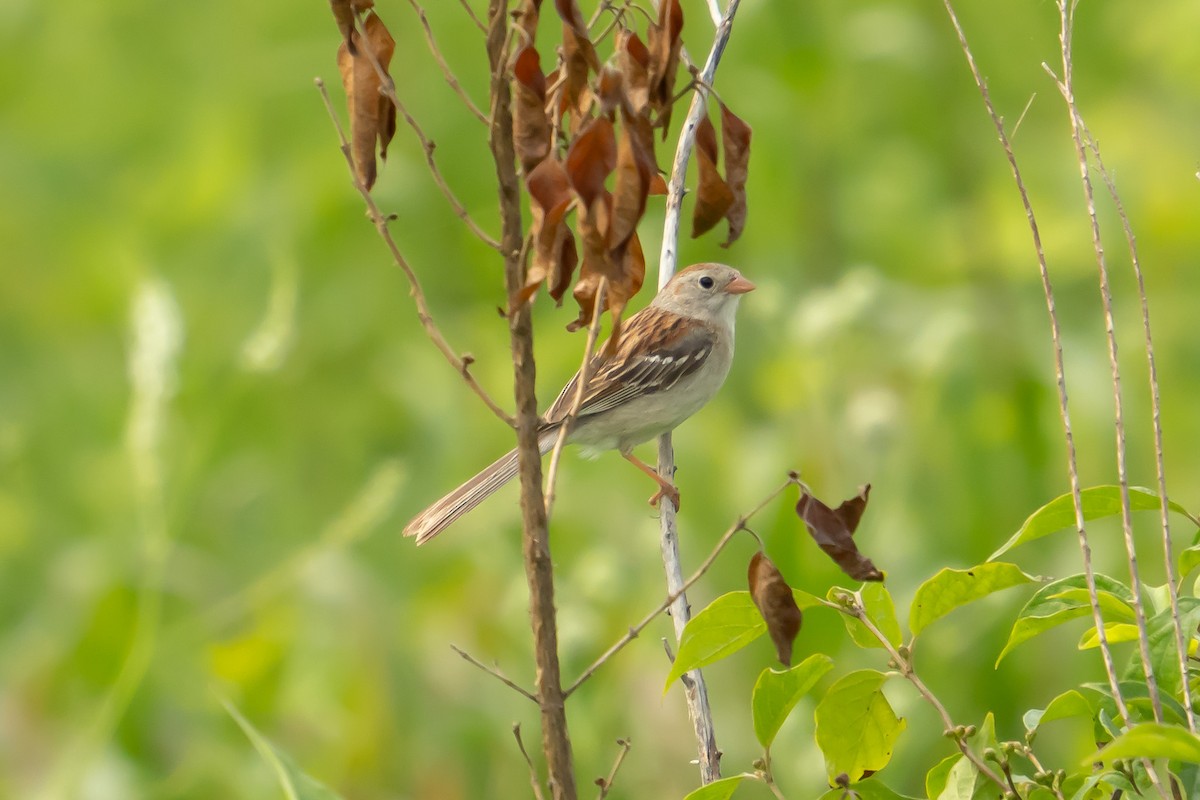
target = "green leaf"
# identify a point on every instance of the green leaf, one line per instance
(1059, 602)
(870, 789)
(1114, 632)
(728, 624)
(1068, 704)
(878, 606)
(1164, 656)
(935, 779)
(777, 692)
(1097, 502)
(717, 790)
(295, 783)
(1151, 740)
(952, 588)
(961, 780)
(1188, 560)
(856, 727)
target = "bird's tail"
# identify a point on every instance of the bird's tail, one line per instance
(435, 519)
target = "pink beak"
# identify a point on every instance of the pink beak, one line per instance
(739, 285)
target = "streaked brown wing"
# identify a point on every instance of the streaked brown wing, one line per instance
(657, 350)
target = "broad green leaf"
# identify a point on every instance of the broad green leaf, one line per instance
(935, 778)
(856, 727)
(952, 588)
(1188, 560)
(295, 783)
(878, 606)
(1058, 602)
(870, 789)
(1151, 740)
(1111, 606)
(1164, 657)
(1114, 632)
(1068, 704)
(725, 626)
(777, 692)
(960, 781)
(1096, 501)
(717, 790)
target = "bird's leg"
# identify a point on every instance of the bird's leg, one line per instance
(665, 487)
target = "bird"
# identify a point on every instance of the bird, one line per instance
(668, 362)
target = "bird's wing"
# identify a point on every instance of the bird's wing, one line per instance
(656, 350)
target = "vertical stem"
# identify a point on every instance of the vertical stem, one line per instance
(696, 690)
(539, 569)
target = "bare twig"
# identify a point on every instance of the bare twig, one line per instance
(461, 364)
(388, 90)
(697, 692)
(437, 55)
(675, 594)
(1156, 418)
(535, 539)
(1059, 370)
(471, 14)
(605, 784)
(1067, 88)
(533, 776)
(494, 672)
(903, 662)
(580, 389)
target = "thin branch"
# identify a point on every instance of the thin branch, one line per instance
(494, 672)
(903, 662)
(671, 598)
(1059, 369)
(1156, 417)
(437, 55)
(605, 784)
(533, 776)
(471, 14)
(388, 90)
(461, 364)
(1067, 88)
(696, 690)
(580, 389)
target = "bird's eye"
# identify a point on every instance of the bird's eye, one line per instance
(706, 282)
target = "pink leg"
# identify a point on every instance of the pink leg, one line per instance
(665, 488)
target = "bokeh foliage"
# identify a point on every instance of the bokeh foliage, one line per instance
(899, 337)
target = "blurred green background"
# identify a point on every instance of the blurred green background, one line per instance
(217, 408)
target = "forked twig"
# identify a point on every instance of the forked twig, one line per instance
(437, 55)
(494, 672)
(1059, 370)
(696, 691)
(1067, 87)
(388, 89)
(461, 364)
(671, 598)
(580, 390)
(605, 784)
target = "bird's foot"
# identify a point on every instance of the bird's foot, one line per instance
(668, 491)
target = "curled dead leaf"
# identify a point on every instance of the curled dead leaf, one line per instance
(833, 531)
(664, 44)
(590, 160)
(525, 17)
(554, 255)
(634, 61)
(776, 603)
(372, 116)
(343, 14)
(635, 170)
(735, 141)
(713, 196)
(531, 127)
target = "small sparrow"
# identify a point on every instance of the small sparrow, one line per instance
(670, 360)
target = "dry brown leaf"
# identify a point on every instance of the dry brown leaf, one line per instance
(713, 196)
(664, 45)
(554, 255)
(833, 530)
(608, 90)
(634, 61)
(372, 116)
(776, 603)
(574, 24)
(635, 168)
(343, 14)
(735, 141)
(531, 127)
(526, 19)
(590, 160)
